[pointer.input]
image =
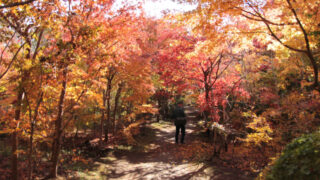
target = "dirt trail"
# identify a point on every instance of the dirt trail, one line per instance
(160, 158)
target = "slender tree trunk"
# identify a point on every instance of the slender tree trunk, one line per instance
(56, 145)
(207, 98)
(77, 131)
(14, 160)
(315, 69)
(32, 123)
(30, 159)
(15, 138)
(108, 97)
(115, 110)
(102, 116)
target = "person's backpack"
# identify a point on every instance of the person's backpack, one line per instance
(180, 121)
(179, 116)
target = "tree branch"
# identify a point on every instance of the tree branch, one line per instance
(16, 4)
(257, 17)
(14, 57)
(7, 45)
(38, 44)
(300, 25)
(274, 35)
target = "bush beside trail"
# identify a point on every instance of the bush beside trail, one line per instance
(299, 160)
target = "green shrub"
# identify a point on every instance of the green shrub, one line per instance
(299, 160)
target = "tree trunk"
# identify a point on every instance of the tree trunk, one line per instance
(32, 123)
(30, 158)
(214, 142)
(56, 145)
(108, 97)
(115, 110)
(15, 138)
(207, 96)
(315, 69)
(14, 160)
(102, 116)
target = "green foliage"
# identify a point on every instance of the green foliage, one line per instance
(299, 160)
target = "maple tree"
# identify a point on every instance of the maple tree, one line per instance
(194, 63)
(25, 31)
(292, 27)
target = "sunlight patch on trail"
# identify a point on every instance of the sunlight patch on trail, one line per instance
(123, 169)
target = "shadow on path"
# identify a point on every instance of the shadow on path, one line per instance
(160, 158)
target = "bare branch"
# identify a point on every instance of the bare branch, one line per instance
(7, 45)
(274, 35)
(300, 25)
(38, 44)
(14, 58)
(16, 4)
(217, 71)
(257, 17)
(268, 21)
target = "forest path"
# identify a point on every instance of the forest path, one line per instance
(160, 158)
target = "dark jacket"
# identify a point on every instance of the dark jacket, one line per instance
(179, 116)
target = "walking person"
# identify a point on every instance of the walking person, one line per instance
(180, 121)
